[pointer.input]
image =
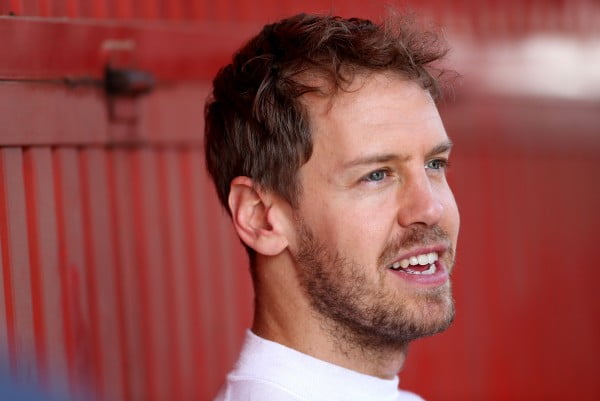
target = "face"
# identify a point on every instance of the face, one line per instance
(376, 222)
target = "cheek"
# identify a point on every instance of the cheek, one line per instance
(364, 231)
(356, 229)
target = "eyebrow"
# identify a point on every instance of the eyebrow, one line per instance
(379, 158)
(392, 157)
(441, 148)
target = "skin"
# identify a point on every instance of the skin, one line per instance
(376, 175)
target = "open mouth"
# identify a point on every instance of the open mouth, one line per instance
(424, 264)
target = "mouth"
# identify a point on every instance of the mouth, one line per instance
(419, 264)
(427, 266)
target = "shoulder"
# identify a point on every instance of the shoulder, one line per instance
(249, 389)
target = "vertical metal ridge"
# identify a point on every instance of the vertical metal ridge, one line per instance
(138, 205)
(148, 10)
(37, 295)
(73, 8)
(123, 9)
(31, 8)
(102, 272)
(168, 268)
(222, 10)
(56, 8)
(90, 266)
(68, 332)
(7, 267)
(180, 262)
(132, 308)
(44, 8)
(154, 255)
(199, 9)
(174, 10)
(100, 9)
(201, 271)
(118, 274)
(5, 357)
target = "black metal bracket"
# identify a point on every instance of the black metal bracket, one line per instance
(127, 82)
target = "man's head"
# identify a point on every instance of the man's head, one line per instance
(335, 119)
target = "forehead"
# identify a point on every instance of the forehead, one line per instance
(376, 112)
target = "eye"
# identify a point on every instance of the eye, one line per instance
(437, 164)
(375, 176)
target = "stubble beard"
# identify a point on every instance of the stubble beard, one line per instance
(362, 312)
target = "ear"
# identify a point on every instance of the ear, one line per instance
(256, 218)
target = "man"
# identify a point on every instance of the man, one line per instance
(328, 152)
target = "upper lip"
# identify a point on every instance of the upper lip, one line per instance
(440, 249)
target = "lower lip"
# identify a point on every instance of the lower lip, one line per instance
(431, 280)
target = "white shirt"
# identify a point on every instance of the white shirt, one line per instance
(269, 371)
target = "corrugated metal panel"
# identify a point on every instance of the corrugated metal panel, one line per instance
(101, 281)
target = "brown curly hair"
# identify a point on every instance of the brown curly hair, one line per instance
(256, 125)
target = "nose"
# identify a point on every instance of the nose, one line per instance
(420, 203)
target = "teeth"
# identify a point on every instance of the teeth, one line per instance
(422, 260)
(432, 269)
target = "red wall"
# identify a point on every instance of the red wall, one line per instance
(120, 274)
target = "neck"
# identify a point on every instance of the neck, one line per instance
(284, 315)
